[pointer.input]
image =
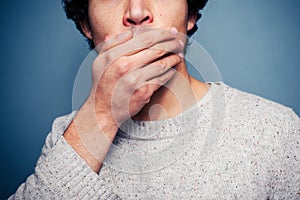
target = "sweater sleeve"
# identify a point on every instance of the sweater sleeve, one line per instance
(61, 173)
(288, 180)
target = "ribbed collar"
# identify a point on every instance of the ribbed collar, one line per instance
(168, 128)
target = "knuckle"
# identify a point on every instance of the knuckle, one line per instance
(108, 58)
(162, 63)
(123, 66)
(163, 67)
(163, 79)
(160, 51)
(142, 91)
(131, 80)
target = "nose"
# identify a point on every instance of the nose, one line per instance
(137, 13)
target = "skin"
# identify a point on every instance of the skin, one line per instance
(133, 73)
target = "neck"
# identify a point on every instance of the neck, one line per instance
(176, 96)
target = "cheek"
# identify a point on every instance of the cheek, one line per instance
(97, 20)
(175, 15)
(104, 25)
(98, 30)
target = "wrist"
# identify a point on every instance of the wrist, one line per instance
(90, 136)
(72, 137)
(90, 116)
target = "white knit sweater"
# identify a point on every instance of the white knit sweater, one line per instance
(231, 145)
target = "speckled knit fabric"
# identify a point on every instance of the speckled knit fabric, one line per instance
(231, 145)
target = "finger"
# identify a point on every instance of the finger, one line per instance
(155, 37)
(99, 63)
(145, 91)
(141, 42)
(112, 41)
(161, 80)
(159, 67)
(153, 54)
(157, 51)
(138, 77)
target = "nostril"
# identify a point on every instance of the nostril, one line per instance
(130, 21)
(135, 22)
(145, 19)
(137, 17)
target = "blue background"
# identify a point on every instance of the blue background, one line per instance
(254, 43)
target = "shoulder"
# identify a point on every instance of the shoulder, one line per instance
(267, 134)
(254, 108)
(59, 125)
(263, 120)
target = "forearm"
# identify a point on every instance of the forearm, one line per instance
(91, 135)
(61, 173)
(75, 142)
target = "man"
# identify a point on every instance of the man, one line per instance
(140, 73)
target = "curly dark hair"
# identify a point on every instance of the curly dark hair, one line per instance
(77, 10)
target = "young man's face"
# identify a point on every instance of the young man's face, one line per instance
(110, 17)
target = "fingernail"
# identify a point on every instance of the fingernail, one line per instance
(107, 37)
(173, 31)
(181, 55)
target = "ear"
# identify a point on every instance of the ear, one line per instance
(191, 22)
(85, 26)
